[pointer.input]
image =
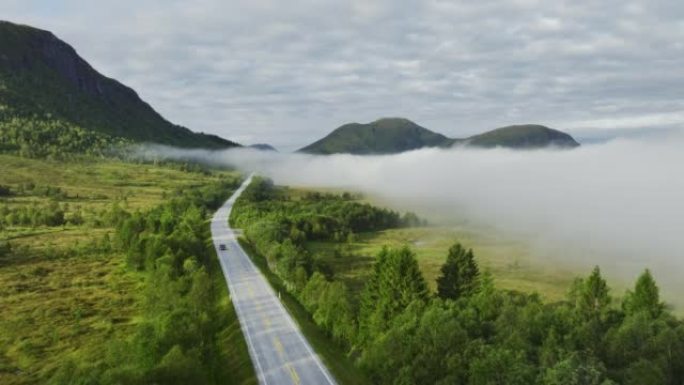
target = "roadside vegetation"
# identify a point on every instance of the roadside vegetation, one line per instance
(398, 328)
(109, 276)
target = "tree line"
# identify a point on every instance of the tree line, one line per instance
(279, 227)
(46, 137)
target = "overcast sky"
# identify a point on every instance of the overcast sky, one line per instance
(288, 72)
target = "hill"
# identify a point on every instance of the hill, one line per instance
(522, 137)
(383, 136)
(44, 81)
(263, 147)
(395, 135)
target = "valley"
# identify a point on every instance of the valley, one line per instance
(136, 251)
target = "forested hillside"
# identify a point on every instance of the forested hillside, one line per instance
(45, 83)
(467, 331)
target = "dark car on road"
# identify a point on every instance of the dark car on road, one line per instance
(222, 247)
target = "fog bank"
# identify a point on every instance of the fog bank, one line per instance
(619, 204)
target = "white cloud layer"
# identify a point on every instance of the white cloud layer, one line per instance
(618, 205)
(287, 72)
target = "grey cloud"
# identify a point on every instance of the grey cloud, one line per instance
(288, 72)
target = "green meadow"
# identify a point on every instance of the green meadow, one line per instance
(67, 292)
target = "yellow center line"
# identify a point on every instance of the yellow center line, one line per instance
(293, 374)
(278, 345)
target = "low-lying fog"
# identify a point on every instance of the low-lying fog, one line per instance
(619, 205)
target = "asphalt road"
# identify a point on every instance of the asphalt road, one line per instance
(280, 353)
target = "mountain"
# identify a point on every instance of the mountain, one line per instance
(263, 147)
(525, 136)
(383, 136)
(395, 135)
(43, 78)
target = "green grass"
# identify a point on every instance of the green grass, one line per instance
(61, 308)
(96, 183)
(506, 260)
(341, 366)
(57, 306)
(510, 260)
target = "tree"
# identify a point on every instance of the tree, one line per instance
(645, 297)
(335, 312)
(591, 295)
(574, 371)
(459, 274)
(311, 294)
(644, 372)
(177, 367)
(500, 366)
(395, 283)
(591, 309)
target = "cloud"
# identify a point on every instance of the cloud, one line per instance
(618, 204)
(289, 72)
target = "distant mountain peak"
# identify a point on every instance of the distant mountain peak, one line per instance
(523, 136)
(382, 136)
(263, 147)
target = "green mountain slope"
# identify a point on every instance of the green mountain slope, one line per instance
(383, 136)
(522, 136)
(395, 135)
(43, 79)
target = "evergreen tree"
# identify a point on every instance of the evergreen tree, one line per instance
(500, 366)
(645, 297)
(459, 274)
(575, 370)
(592, 295)
(396, 282)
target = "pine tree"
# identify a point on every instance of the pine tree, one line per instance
(645, 297)
(396, 282)
(459, 274)
(592, 295)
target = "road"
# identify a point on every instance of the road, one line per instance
(280, 353)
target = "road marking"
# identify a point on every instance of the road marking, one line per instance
(293, 374)
(278, 345)
(245, 276)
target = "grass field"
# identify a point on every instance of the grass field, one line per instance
(62, 298)
(93, 184)
(509, 260)
(506, 260)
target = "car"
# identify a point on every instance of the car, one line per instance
(222, 247)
